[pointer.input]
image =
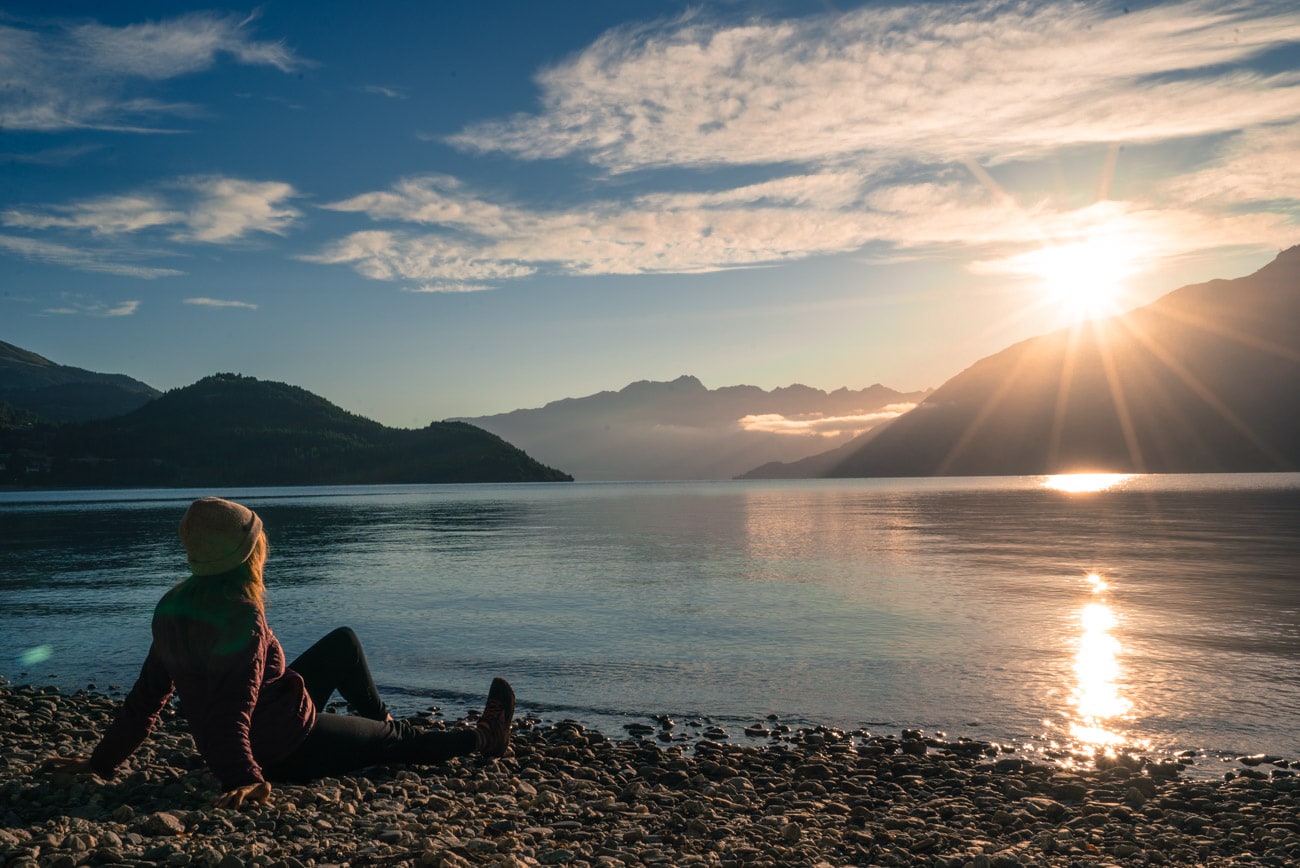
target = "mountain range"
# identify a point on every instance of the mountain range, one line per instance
(228, 429)
(1206, 378)
(682, 430)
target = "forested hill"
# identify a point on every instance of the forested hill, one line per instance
(234, 430)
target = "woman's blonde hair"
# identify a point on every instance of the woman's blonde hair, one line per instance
(244, 580)
(208, 599)
(253, 588)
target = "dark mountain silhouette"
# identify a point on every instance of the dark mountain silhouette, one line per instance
(814, 466)
(1205, 379)
(683, 430)
(233, 430)
(61, 393)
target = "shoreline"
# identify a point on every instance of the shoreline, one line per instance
(571, 795)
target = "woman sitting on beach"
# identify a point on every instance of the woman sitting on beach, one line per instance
(253, 719)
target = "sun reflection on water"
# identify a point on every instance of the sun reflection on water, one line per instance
(1098, 704)
(1097, 582)
(1084, 483)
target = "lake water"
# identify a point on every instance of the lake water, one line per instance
(1159, 613)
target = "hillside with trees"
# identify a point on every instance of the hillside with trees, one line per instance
(229, 429)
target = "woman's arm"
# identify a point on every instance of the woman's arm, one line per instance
(234, 684)
(135, 719)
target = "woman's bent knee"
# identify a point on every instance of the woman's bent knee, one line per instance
(343, 636)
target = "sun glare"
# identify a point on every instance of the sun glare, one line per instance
(1084, 279)
(1084, 483)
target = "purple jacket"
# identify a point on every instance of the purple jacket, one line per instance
(245, 709)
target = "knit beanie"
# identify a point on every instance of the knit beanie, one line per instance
(218, 535)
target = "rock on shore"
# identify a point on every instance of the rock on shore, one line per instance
(569, 795)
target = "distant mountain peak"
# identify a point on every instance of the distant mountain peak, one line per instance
(680, 429)
(684, 382)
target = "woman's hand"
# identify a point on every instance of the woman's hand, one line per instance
(253, 794)
(71, 765)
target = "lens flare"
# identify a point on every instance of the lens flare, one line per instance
(39, 654)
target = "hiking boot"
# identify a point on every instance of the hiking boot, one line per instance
(493, 725)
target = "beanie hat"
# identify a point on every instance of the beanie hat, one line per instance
(218, 535)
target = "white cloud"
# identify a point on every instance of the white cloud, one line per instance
(430, 199)
(79, 305)
(81, 259)
(449, 288)
(817, 425)
(393, 256)
(949, 215)
(83, 75)
(109, 215)
(165, 49)
(213, 210)
(469, 239)
(220, 302)
(485, 241)
(380, 90)
(1260, 165)
(928, 82)
(227, 209)
(862, 122)
(126, 308)
(60, 156)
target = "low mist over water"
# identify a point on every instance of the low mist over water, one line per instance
(1152, 612)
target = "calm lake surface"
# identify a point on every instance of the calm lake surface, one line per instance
(1159, 612)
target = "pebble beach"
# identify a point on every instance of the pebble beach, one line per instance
(568, 795)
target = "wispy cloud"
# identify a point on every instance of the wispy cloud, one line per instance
(449, 287)
(476, 240)
(380, 90)
(929, 216)
(82, 259)
(60, 156)
(227, 209)
(817, 425)
(382, 255)
(220, 302)
(88, 75)
(213, 210)
(926, 82)
(80, 305)
(1260, 165)
(109, 215)
(765, 223)
(864, 125)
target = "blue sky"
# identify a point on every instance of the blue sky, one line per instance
(426, 210)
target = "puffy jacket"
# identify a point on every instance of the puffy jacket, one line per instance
(245, 709)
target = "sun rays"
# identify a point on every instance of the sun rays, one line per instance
(1084, 279)
(1126, 394)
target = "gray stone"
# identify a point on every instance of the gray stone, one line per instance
(160, 825)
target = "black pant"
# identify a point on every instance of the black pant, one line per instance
(340, 743)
